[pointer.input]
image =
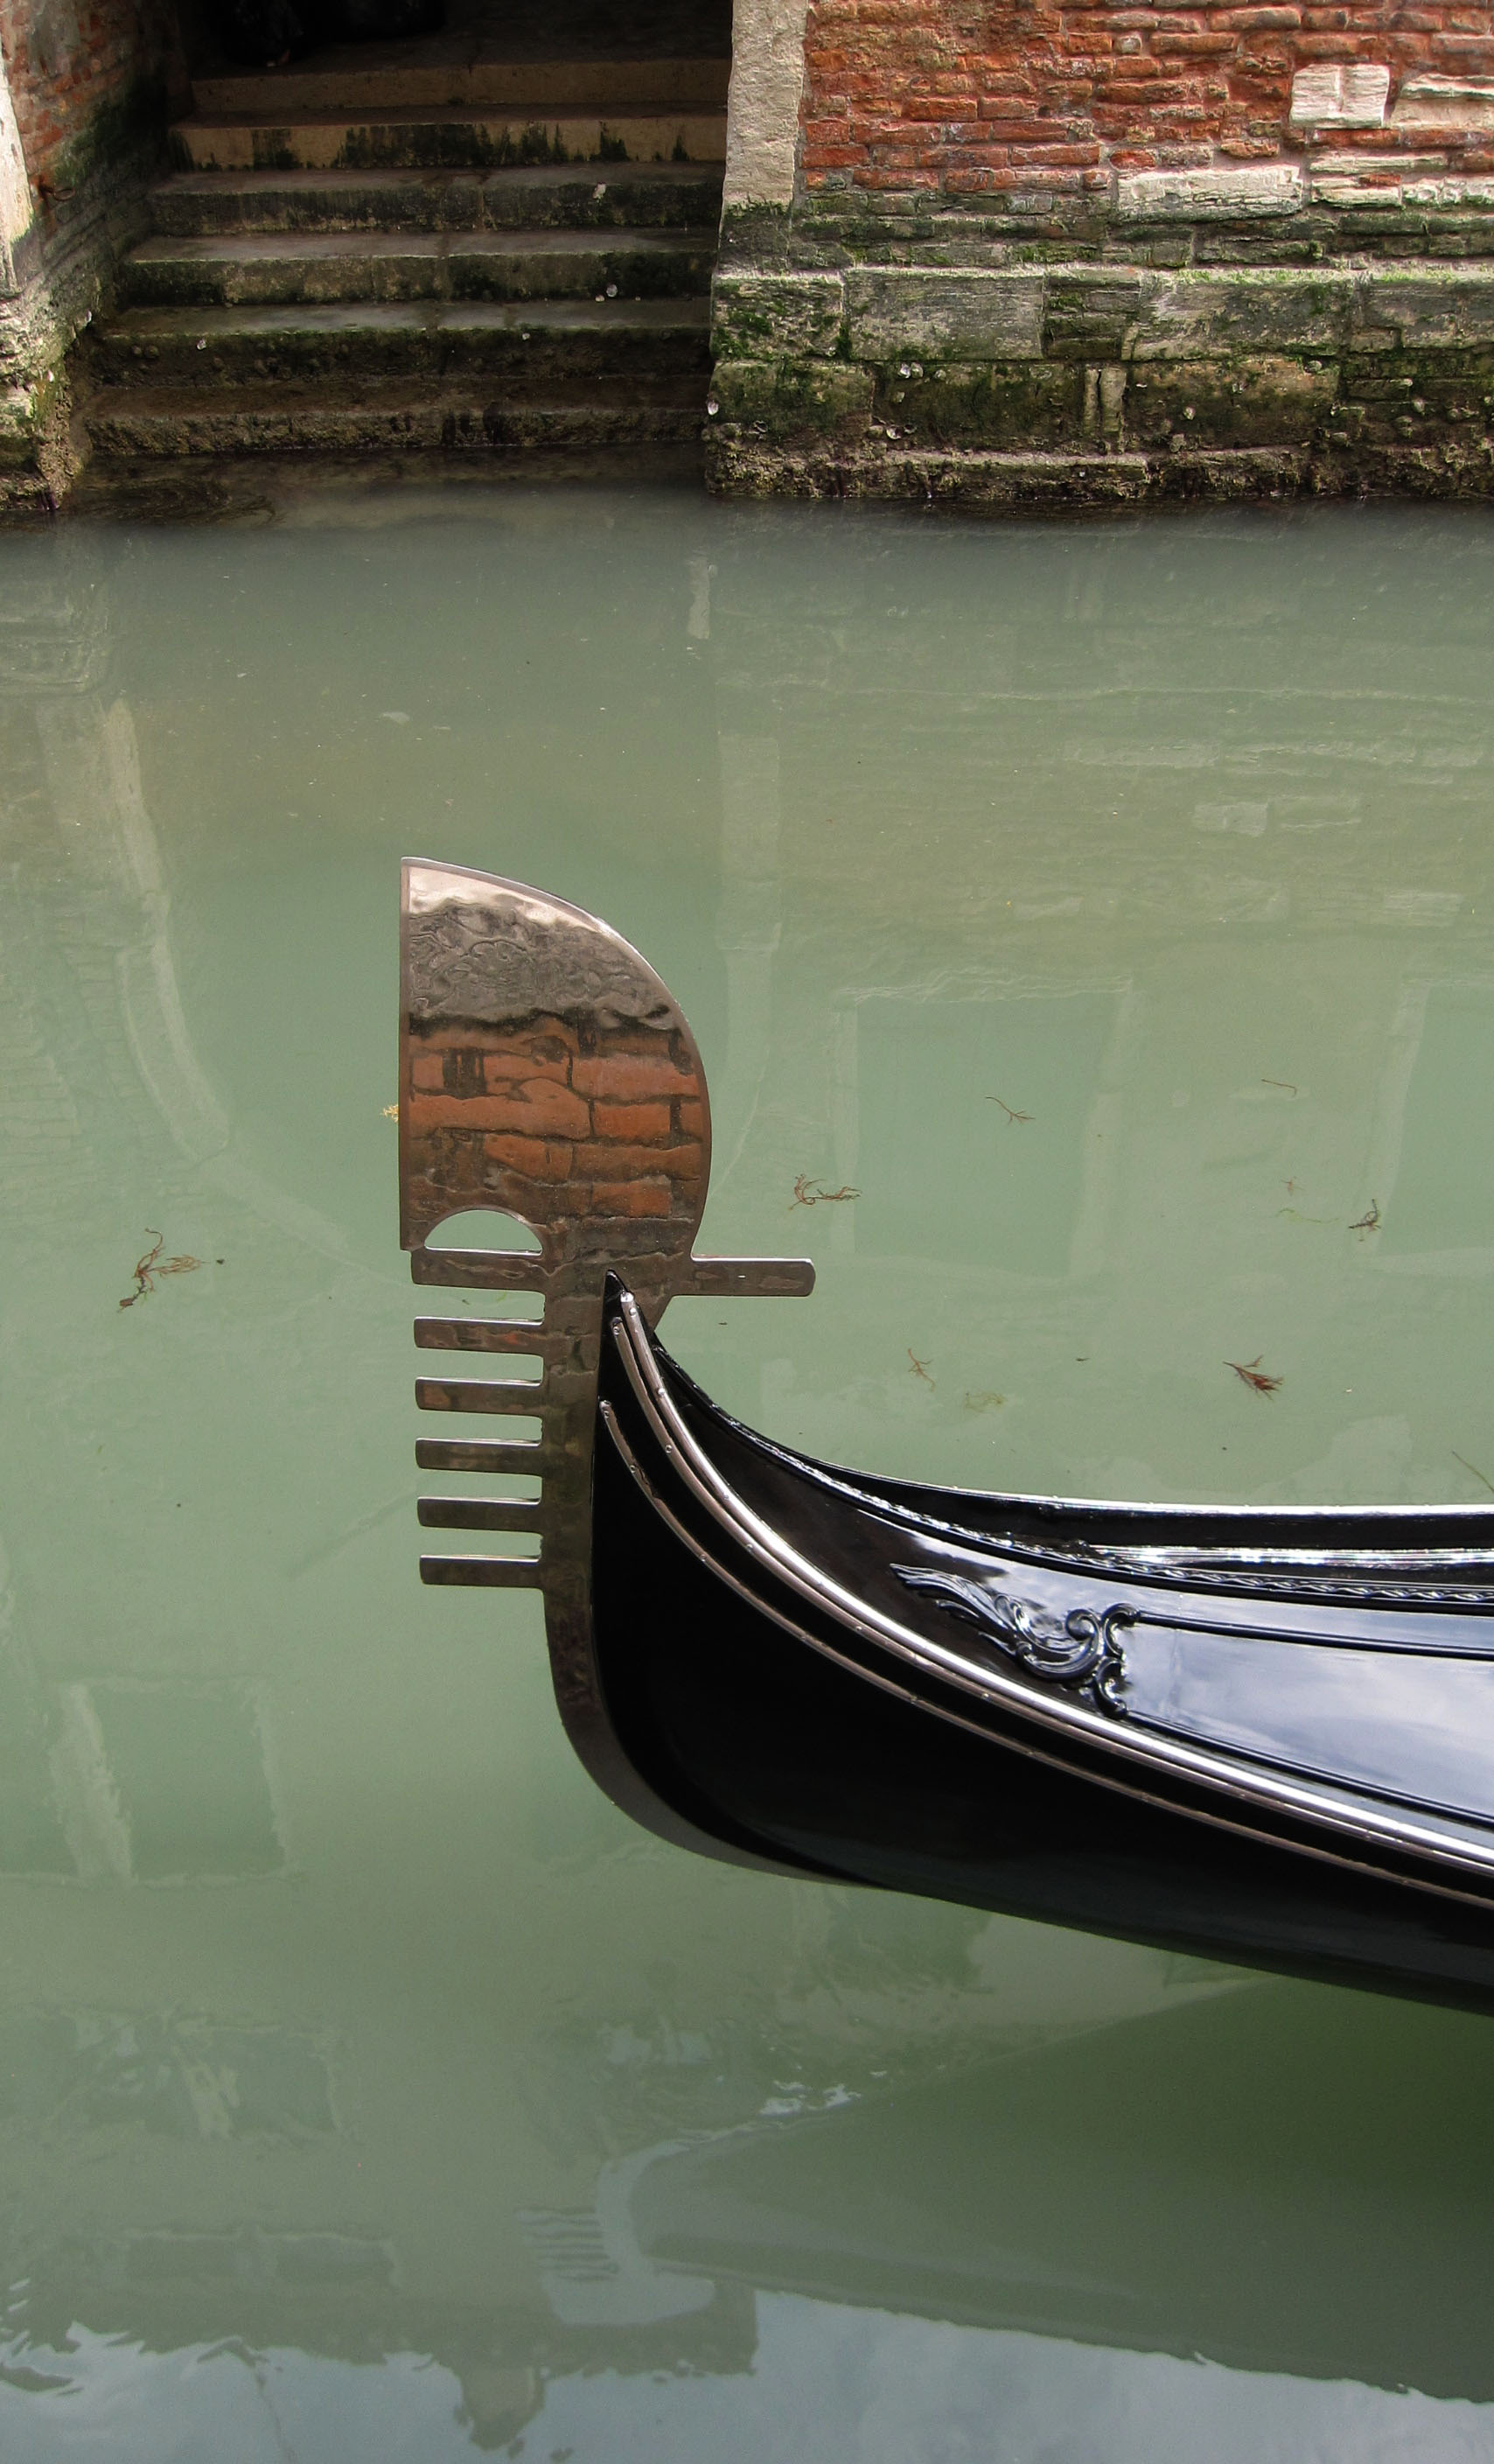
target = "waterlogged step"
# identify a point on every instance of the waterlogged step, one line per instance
(166, 422)
(533, 341)
(348, 80)
(556, 196)
(417, 265)
(454, 140)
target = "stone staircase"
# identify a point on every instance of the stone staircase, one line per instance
(407, 252)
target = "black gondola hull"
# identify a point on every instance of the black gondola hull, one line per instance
(779, 1751)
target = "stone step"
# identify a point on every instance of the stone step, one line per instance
(471, 139)
(534, 343)
(568, 195)
(305, 266)
(166, 422)
(411, 76)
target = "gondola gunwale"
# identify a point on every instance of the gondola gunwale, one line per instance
(1126, 1789)
(891, 1501)
(1344, 1814)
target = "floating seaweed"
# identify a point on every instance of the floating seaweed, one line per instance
(1260, 1380)
(810, 1193)
(1012, 1116)
(152, 1265)
(1474, 1468)
(1368, 1221)
(919, 1368)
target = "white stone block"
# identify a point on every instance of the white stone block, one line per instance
(1334, 94)
(1444, 103)
(1452, 195)
(1217, 195)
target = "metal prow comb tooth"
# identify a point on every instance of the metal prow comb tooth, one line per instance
(481, 1514)
(491, 1334)
(493, 1270)
(528, 1456)
(478, 1394)
(544, 1074)
(489, 1574)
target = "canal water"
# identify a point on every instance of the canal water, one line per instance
(1089, 933)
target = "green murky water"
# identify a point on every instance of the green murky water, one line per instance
(1113, 910)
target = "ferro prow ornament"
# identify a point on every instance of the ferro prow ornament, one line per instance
(546, 1073)
(1264, 1735)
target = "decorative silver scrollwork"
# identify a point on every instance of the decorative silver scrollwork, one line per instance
(1079, 1651)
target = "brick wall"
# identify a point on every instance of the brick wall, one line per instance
(578, 1139)
(933, 94)
(83, 75)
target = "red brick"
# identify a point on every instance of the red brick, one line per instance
(526, 1057)
(630, 1076)
(630, 1163)
(427, 1069)
(536, 1158)
(539, 1110)
(648, 1197)
(631, 1120)
(692, 1119)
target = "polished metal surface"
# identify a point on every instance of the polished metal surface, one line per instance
(547, 1075)
(1073, 1648)
(1386, 1751)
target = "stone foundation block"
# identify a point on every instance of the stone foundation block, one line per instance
(760, 316)
(934, 314)
(1005, 403)
(1197, 316)
(1212, 403)
(1449, 306)
(787, 398)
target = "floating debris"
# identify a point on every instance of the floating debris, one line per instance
(919, 1368)
(1284, 1084)
(1371, 1221)
(1012, 1116)
(1260, 1380)
(810, 1193)
(1474, 1468)
(152, 1265)
(391, 1112)
(1297, 1215)
(984, 1402)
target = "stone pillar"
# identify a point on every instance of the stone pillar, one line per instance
(762, 104)
(15, 190)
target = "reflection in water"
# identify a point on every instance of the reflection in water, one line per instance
(368, 2087)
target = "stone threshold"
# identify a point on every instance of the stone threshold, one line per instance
(1082, 481)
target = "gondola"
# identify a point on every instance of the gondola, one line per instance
(1267, 1737)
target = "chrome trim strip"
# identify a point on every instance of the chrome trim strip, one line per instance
(1029, 1751)
(1339, 1811)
